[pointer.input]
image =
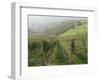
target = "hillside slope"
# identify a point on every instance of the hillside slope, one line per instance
(75, 33)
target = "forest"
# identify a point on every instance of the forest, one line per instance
(64, 44)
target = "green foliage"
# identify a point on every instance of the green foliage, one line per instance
(69, 47)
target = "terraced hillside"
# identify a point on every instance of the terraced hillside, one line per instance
(59, 47)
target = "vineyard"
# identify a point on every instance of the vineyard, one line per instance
(67, 48)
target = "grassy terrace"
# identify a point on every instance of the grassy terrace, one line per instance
(66, 48)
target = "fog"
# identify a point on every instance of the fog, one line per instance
(41, 24)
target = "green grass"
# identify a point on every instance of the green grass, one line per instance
(76, 33)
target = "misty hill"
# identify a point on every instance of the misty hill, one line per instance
(55, 28)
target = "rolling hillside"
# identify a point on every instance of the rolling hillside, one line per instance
(61, 45)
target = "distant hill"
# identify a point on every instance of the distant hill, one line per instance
(56, 28)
